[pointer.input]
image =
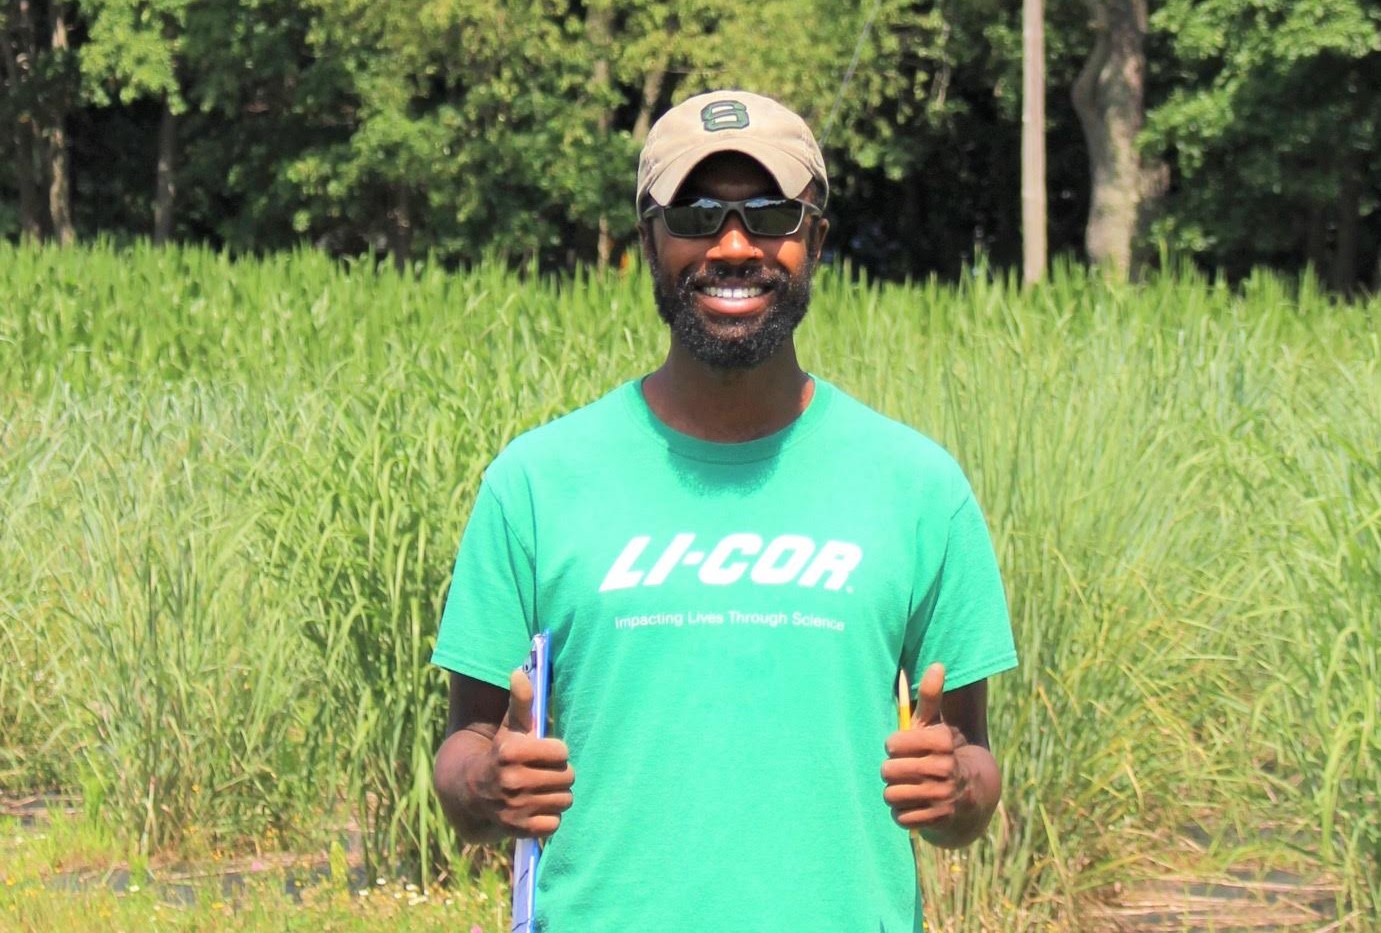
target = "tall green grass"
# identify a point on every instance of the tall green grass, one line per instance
(230, 493)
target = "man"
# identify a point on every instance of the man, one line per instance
(734, 559)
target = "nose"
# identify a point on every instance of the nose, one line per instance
(733, 243)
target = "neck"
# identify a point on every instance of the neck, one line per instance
(728, 405)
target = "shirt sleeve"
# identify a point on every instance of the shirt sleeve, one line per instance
(489, 617)
(962, 622)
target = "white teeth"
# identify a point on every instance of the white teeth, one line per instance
(715, 292)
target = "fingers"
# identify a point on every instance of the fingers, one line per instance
(922, 791)
(902, 797)
(523, 752)
(531, 800)
(538, 826)
(528, 780)
(939, 767)
(531, 784)
(536, 815)
(921, 817)
(919, 741)
(922, 779)
(519, 718)
(930, 694)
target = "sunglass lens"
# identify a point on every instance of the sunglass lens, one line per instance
(772, 217)
(762, 216)
(701, 217)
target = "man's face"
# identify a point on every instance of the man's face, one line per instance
(732, 299)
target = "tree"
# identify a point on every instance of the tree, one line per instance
(925, 149)
(643, 53)
(39, 83)
(455, 125)
(1109, 98)
(513, 123)
(134, 50)
(217, 71)
(1272, 126)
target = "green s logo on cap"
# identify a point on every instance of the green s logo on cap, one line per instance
(724, 115)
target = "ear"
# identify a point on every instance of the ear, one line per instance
(817, 238)
(649, 242)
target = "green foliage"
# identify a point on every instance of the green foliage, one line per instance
(358, 540)
(163, 594)
(459, 128)
(134, 47)
(466, 122)
(1271, 108)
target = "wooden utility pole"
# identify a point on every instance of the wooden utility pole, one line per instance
(1033, 203)
(599, 30)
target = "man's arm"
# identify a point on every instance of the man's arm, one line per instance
(494, 778)
(941, 777)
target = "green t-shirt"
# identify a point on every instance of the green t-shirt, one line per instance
(726, 623)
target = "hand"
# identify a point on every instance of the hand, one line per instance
(526, 781)
(924, 781)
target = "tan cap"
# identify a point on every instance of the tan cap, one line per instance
(729, 121)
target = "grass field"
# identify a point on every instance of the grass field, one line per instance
(230, 493)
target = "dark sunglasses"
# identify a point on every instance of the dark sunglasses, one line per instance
(761, 216)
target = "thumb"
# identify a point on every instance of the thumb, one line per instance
(931, 690)
(519, 718)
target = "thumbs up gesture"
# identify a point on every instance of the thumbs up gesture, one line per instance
(923, 781)
(526, 781)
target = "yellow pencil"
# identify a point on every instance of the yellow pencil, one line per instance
(904, 723)
(903, 701)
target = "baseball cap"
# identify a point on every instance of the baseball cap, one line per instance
(729, 121)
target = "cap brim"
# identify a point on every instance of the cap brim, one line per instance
(790, 173)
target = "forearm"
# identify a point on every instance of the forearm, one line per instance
(456, 774)
(981, 790)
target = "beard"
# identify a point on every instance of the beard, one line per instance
(732, 344)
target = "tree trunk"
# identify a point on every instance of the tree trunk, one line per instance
(59, 179)
(1316, 238)
(1154, 183)
(1108, 96)
(911, 230)
(165, 185)
(18, 63)
(60, 187)
(1344, 277)
(400, 229)
(652, 92)
(26, 177)
(1033, 202)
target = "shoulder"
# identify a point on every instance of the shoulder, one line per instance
(578, 435)
(892, 447)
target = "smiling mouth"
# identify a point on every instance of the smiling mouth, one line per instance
(733, 293)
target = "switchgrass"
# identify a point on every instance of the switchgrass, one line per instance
(231, 494)
(168, 680)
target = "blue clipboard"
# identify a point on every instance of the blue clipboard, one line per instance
(528, 852)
